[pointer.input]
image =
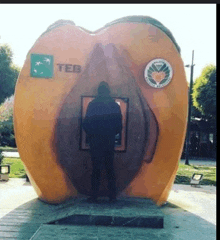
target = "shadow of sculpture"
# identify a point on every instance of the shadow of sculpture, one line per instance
(33, 218)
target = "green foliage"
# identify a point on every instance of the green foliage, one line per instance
(7, 137)
(6, 123)
(204, 100)
(8, 73)
(1, 156)
(6, 109)
(204, 92)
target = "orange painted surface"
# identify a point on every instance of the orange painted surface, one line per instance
(38, 101)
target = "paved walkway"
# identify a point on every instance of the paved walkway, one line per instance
(11, 154)
(190, 213)
(202, 162)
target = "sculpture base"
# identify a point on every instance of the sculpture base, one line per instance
(125, 212)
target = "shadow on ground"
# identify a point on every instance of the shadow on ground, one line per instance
(30, 221)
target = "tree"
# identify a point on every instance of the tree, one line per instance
(204, 92)
(204, 98)
(8, 73)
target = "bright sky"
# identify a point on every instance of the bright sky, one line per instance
(192, 25)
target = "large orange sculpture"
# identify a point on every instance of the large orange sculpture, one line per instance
(141, 61)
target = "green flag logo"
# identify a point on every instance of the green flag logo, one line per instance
(42, 66)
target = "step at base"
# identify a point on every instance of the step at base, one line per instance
(127, 212)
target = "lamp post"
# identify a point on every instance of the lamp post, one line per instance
(189, 109)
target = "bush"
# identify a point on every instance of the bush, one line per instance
(1, 156)
(6, 123)
(7, 137)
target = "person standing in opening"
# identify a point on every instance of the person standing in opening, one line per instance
(102, 122)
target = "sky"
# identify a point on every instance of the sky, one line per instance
(192, 25)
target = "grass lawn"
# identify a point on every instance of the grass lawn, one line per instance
(183, 176)
(16, 167)
(185, 173)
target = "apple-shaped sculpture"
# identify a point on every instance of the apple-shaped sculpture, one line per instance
(141, 62)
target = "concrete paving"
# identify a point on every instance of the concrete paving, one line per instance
(201, 162)
(190, 213)
(126, 212)
(11, 154)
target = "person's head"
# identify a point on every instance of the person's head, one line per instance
(103, 89)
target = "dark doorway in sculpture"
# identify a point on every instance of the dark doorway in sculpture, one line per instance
(120, 139)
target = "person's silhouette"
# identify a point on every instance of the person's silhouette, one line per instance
(102, 122)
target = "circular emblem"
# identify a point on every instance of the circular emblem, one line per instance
(158, 73)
